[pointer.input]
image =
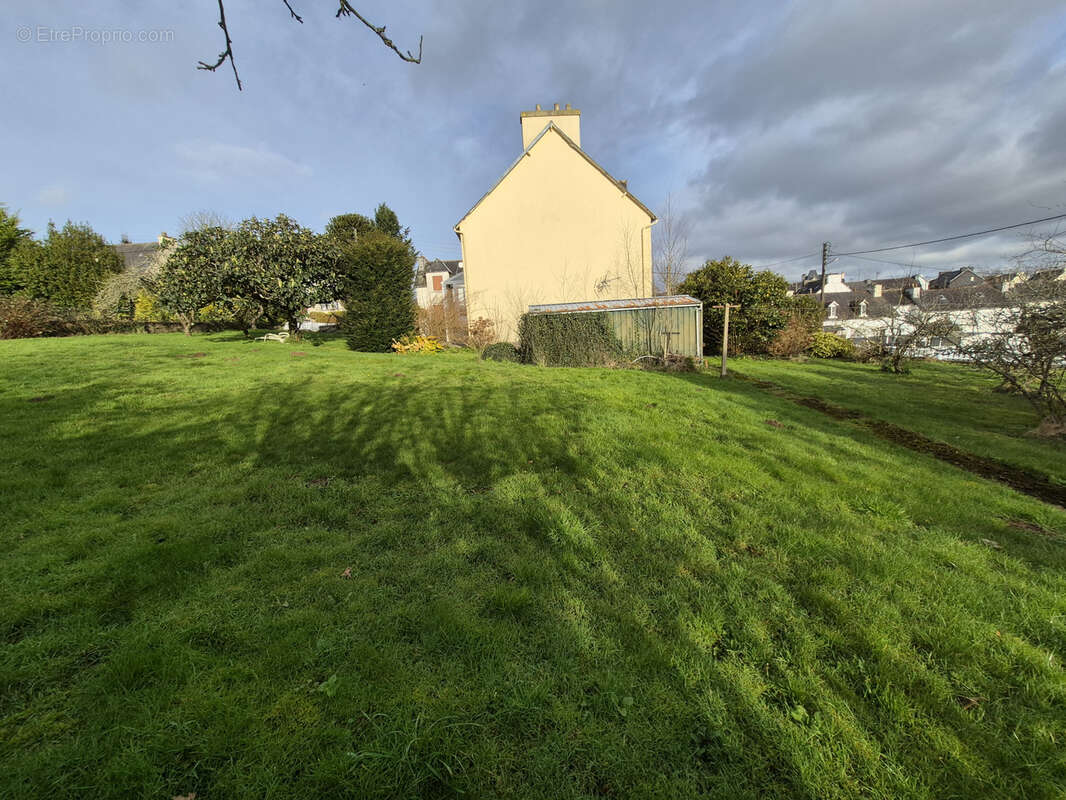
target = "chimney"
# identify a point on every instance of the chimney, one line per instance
(163, 237)
(878, 289)
(568, 120)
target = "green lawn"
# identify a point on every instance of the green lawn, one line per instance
(949, 402)
(562, 583)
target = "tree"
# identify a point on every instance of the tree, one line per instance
(344, 9)
(345, 228)
(375, 276)
(282, 267)
(386, 221)
(192, 274)
(10, 235)
(908, 331)
(762, 296)
(671, 249)
(1026, 350)
(67, 268)
(204, 218)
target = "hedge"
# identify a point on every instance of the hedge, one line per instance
(568, 340)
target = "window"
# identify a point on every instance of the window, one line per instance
(862, 308)
(832, 310)
(437, 279)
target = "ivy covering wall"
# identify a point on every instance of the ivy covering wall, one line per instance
(568, 340)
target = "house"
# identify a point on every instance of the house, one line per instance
(1058, 274)
(956, 278)
(431, 278)
(138, 256)
(555, 228)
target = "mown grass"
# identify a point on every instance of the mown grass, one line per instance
(563, 583)
(953, 403)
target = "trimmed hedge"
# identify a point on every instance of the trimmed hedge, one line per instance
(568, 340)
(25, 318)
(501, 351)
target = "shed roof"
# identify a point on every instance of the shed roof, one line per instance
(669, 301)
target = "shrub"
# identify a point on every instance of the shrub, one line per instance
(375, 273)
(66, 268)
(410, 343)
(793, 339)
(501, 351)
(147, 308)
(763, 298)
(24, 318)
(829, 345)
(482, 333)
(568, 340)
(869, 351)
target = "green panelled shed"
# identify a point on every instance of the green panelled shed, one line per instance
(646, 325)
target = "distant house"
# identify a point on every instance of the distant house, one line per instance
(432, 279)
(956, 278)
(138, 256)
(1058, 274)
(555, 228)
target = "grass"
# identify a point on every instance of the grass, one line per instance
(249, 570)
(949, 402)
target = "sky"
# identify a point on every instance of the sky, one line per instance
(772, 126)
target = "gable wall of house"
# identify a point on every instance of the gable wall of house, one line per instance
(555, 230)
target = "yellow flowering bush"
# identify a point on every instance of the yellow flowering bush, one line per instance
(417, 344)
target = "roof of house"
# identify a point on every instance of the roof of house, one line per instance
(667, 301)
(850, 306)
(451, 266)
(944, 279)
(551, 126)
(136, 255)
(907, 282)
(1047, 274)
(983, 295)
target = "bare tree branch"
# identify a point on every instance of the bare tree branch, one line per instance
(295, 16)
(225, 54)
(346, 10)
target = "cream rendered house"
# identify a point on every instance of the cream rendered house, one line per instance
(556, 228)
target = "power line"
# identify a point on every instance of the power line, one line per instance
(953, 238)
(790, 260)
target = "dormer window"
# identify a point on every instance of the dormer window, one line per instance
(863, 306)
(832, 307)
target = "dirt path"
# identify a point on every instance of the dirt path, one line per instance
(1031, 483)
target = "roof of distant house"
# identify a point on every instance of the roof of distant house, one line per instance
(136, 255)
(451, 266)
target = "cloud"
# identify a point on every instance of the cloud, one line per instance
(217, 161)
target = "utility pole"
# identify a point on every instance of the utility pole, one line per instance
(725, 335)
(825, 260)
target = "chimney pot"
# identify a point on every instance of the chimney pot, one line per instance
(567, 106)
(556, 106)
(538, 106)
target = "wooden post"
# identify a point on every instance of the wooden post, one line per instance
(725, 335)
